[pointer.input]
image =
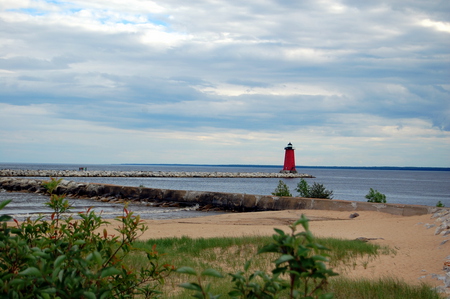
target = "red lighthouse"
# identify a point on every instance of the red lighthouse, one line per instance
(289, 160)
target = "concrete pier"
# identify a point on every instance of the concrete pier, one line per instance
(213, 200)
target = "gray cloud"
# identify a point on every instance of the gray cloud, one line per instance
(238, 68)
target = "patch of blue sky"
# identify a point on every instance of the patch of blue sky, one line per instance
(74, 10)
(29, 11)
(157, 22)
(54, 1)
(152, 21)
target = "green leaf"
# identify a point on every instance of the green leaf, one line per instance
(110, 271)
(4, 218)
(59, 260)
(79, 242)
(44, 296)
(212, 272)
(279, 231)
(269, 248)
(55, 273)
(186, 270)
(97, 257)
(284, 258)
(247, 265)
(106, 294)
(32, 271)
(89, 295)
(319, 258)
(49, 291)
(61, 275)
(16, 281)
(279, 270)
(4, 203)
(191, 286)
(235, 294)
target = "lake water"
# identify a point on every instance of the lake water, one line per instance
(422, 187)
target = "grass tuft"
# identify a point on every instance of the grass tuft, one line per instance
(384, 288)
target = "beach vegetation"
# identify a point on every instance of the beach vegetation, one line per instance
(388, 288)
(299, 270)
(282, 189)
(375, 196)
(63, 257)
(315, 190)
(440, 204)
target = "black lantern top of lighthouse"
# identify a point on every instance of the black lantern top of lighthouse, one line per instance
(289, 147)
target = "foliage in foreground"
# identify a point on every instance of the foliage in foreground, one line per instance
(299, 272)
(375, 196)
(65, 258)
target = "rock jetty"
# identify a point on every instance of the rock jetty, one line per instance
(206, 200)
(100, 173)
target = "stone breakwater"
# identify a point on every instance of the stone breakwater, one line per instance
(441, 227)
(99, 173)
(206, 200)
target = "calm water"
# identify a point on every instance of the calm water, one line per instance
(400, 186)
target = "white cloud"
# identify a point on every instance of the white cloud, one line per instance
(440, 26)
(339, 78)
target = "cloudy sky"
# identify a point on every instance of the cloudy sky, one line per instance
(348, 82)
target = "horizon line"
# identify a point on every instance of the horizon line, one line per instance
(433, 168)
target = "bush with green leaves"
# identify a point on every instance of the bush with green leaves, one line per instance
(299, 272)
(282, 189)
(440, 204)
(315, 191)
(375, 196)
(63, 257)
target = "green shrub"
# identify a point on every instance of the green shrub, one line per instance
(299, 272)
(64, 257)
(375, 196)
(440, 204)
(282, 189)
(315, 191)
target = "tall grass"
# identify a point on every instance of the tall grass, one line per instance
(228, 255)
(237, 250)
(384, 288)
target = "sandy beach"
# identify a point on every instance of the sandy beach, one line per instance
(419, 252)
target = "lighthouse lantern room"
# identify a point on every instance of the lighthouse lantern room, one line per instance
(289, 160)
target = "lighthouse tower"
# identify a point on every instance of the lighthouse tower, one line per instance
(289, 160)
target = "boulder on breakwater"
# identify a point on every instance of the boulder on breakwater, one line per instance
(214, 200)
(101, 173)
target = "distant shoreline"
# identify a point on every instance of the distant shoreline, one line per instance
(279, 167)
